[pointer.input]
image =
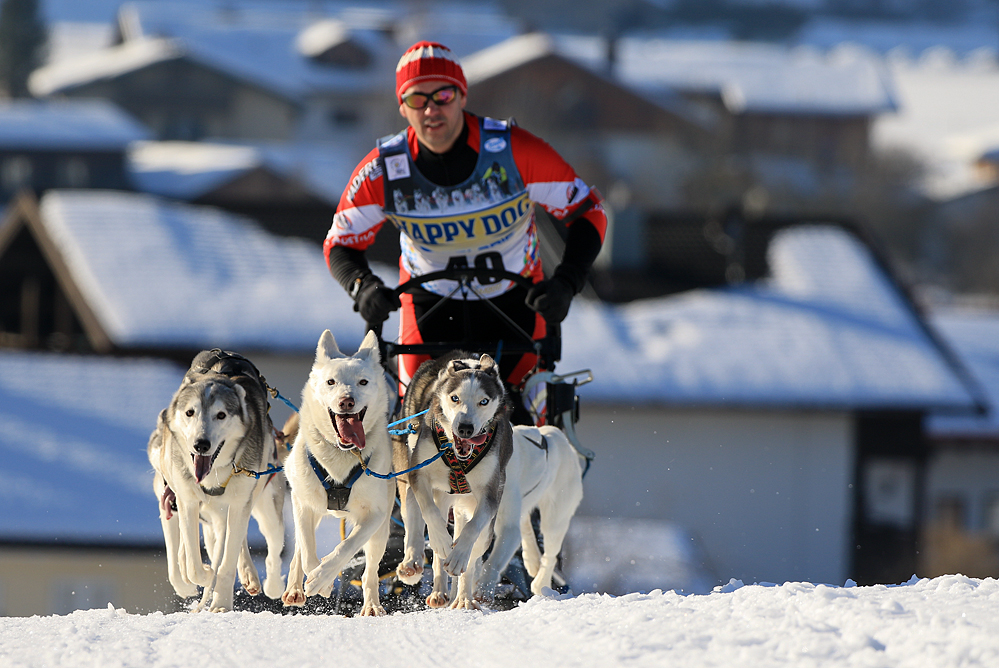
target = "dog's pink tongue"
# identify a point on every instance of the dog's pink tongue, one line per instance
(202, 465)
(351, 430)
(478, 440)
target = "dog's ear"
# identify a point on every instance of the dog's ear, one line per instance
(454, 366)
(327, 348)
(369, 347)
(487, 364)
(241, 392)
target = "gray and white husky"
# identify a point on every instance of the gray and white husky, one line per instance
(468, 420)
(343, 428)
(545, 472)
(216, 429)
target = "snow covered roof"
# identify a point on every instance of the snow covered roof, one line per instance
(522, 49)
(749, 77)
(66, 125)
(163, 274)
(915, 37)
(974, 336)
(827, 330)
(102, 64)
(187, 170)
(269, 44)
(263, 54)
(760, 78)
(73, 432)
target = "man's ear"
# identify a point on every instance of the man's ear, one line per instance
(402, 109)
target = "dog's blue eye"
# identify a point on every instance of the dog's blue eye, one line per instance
(483, 402)
(362, 382)
(220, 416)
(331, 381)
(454, 398)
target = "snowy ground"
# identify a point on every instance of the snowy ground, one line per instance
(947, 621)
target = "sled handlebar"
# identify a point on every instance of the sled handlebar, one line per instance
(549, 348)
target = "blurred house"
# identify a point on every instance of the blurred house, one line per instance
(945, 123)
(64, 144)
(78, 520)
(269, 72)
(780, 420)
(962, 502)
(292, 71)
(605, 129)
(786, 120)
(291, 190)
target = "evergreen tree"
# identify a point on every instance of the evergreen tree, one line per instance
(22, 44)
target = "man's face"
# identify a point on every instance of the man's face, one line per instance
(437, 127)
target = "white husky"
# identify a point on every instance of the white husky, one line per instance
(342, 423)
(467, 411)
(215, 429)
(548, 474)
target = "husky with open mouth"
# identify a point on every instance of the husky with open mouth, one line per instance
(469, 423)
(215, 430)
(343, 430)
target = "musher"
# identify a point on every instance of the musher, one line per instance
(461, 189)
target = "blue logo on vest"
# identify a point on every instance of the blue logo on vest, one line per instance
(494, 145)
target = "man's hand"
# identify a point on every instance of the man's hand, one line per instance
(375, 301)
(551, 298)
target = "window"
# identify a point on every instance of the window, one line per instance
(73, 173)
(16, 172)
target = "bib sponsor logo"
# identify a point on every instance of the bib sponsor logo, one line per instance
(370, 170)
(495, 145)
(397, 167)
(493, 124)
(477, 229)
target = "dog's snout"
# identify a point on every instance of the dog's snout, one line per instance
(202, 446)
(346, 404)
(465, 430)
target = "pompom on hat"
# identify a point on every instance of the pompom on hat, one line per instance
(425, 61)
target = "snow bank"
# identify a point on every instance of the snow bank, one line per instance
(947, 621)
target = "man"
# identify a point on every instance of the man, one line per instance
(461, 189)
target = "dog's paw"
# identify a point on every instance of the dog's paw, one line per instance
(273, 586)
(456, 563)
(293, 597)
(463, 603)
(320, 581)
(372, 610)
(437, 600)
(219, 609)
(250, 581)
(409, 572)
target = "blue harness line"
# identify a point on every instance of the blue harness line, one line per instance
(278, 395)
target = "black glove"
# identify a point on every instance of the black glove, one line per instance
(551, 298)
(374, 301)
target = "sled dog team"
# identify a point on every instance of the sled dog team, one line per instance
(217, 462)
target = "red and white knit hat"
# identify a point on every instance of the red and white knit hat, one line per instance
(426, 61)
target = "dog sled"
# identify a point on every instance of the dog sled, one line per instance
(550, 398)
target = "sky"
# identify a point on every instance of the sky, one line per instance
(946, 621)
